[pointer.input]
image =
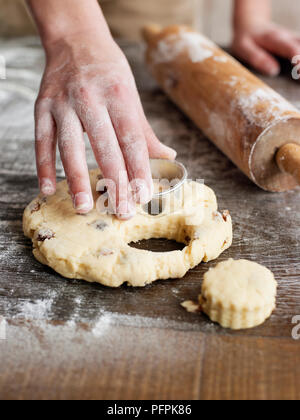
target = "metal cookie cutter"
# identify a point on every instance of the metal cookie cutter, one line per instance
(169, 178)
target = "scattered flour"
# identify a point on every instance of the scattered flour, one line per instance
(198, 47)
(218, 126)
(17, 53)
(102, 326)
(78, 301)
(221, 59)
(59, 347)
(71, 324)
(108, 320)
(17, 89)
(10, 250)
(38, 310)
(233, 81)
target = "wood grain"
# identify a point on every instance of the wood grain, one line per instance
(248, 368)
(125, 363)
(92, 342)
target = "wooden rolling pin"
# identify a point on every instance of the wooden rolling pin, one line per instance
(251, 123)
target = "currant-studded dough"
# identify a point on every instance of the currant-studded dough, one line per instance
(238, 294)
(96, 247)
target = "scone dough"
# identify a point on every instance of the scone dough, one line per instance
(95, 247)
(238, 294)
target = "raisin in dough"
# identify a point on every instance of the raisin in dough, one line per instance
(95, 247)
(238, 294)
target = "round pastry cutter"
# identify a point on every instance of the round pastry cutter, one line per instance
(169, 178)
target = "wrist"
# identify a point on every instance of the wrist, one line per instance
(75, 38)
(58, 20)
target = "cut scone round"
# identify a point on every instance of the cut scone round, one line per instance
(238, 294)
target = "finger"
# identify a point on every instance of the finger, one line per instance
(258, 58)
(45, 149)
(295, 34)
(126, 121)
(110, 159)
(281, 43)
(72, 151)
(156, 149)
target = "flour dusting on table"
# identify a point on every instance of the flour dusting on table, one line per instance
(39, 309)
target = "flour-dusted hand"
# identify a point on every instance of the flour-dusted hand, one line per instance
(257, 45)
(257, 40)
(88, 85)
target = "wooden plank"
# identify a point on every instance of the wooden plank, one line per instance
(108, 362)
(250, 369)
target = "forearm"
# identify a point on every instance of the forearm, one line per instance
(247, 12)
(57, 19)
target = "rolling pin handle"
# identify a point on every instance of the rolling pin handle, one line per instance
(288, 160)
(150, 32)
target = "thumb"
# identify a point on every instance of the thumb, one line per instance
(157, 150)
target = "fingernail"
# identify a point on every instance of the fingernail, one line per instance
(273, 71)
(126, 210)
(170, 153)
(83, 202)
(46, 186)
(142, 194)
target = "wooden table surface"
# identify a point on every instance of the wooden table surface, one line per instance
(71, 339)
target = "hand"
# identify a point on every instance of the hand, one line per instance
(88, 85)
(257, 43)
